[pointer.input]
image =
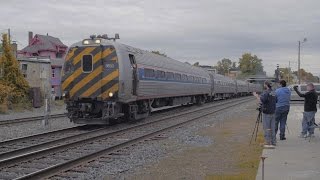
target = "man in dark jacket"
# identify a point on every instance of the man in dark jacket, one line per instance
(268, 100)
(310, 109)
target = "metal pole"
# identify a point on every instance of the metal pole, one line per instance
(299, 75)
(263, 158)
(289, 72)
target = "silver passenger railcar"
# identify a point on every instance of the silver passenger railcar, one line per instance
(104, 80)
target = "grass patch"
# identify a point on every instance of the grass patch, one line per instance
(247, 162)
(3, 109)
(229, 177)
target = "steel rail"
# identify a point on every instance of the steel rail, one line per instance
(29, 119)
(50, 171)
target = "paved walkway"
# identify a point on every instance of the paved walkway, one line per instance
(295, 158)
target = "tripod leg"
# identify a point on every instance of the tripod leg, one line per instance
(254, 130)
(259, 119)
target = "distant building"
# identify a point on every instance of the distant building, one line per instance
(233, 73)
(36, 71)
(260, 79)
(56, 68)
(44, 45)
(209, 68)
(49, 47)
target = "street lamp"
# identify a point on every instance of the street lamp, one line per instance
(299, 75)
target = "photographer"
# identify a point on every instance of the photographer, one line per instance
(282, 108)
(310, 109)
(268, 100)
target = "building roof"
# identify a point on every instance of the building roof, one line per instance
(46, 43)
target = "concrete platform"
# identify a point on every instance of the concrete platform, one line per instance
(294, 158)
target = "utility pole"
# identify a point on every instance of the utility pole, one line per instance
(299, 75)
(289, 73)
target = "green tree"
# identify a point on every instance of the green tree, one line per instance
(224, 66)
(250, 65)
(10, 73)
(234, 65)
(286, 75)
(306, 76)
(159, 53)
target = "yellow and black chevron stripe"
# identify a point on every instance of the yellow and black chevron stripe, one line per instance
(99, 82)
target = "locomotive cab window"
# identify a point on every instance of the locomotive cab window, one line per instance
(87, 63)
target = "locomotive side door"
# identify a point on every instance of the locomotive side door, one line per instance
(134, 74)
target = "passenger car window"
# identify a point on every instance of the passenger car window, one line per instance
(149, 73)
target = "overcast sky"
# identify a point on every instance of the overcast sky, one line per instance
(202, 30)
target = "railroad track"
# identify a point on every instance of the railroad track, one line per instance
(29, 119)
(49, 158)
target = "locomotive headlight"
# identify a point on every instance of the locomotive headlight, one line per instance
(110, 94)
(86, 42)
(97, 41)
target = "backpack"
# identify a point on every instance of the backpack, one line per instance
(270, 106)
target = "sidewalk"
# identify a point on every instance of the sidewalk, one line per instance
(294, 158)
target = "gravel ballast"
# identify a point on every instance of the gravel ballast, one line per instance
(151, 152)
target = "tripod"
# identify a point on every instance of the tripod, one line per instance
(256, 127)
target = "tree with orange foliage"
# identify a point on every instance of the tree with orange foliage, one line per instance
(10, 75)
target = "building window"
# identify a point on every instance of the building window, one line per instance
(24, 68)
(59, 55)
(53, 72)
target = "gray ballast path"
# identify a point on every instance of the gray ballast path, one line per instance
(294, 158)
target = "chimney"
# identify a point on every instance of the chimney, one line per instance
(14, 47)
(30, 37)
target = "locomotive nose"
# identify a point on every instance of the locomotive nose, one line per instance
(91, 72)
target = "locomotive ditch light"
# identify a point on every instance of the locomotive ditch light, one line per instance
(85, 42)
(110, 94)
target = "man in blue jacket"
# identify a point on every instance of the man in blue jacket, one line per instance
(282, 108)
(268, 100)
